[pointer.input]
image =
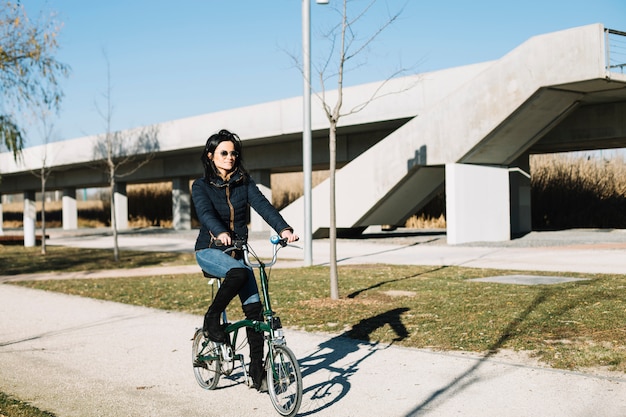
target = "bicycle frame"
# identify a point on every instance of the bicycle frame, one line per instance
(271, 325)
(259, 326)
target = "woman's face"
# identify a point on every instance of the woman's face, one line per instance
(224, 157)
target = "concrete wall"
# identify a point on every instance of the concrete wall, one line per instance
(477, 203)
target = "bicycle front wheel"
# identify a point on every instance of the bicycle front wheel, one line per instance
(284, 380)
(206, 361)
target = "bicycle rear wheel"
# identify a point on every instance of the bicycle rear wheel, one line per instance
(284, 380)
(206, 361)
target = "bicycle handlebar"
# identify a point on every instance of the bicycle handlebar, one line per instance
(241, 244)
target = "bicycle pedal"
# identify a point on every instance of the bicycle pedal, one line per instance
(198, 364)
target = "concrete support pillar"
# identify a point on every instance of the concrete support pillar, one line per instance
(70, 209)
(181, 204)
(1, 217)
(30, 218)
(121, 205)
(477, 203)
(263, 181)
(519, 177)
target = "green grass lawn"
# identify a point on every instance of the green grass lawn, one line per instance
(12, 407)
(571, 325)
(20, 260)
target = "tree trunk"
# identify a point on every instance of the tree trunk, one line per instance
(116, 249)
(43, 210)
(332, 229)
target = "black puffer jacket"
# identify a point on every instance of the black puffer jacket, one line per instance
(222, 206)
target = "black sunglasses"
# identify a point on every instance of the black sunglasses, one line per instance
(234, 154)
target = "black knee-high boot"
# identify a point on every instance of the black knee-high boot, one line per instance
(254, 311)
(235, 279)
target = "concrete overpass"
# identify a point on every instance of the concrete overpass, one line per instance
(469, 130)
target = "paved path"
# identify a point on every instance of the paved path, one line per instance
(82, 357)
(582, 251)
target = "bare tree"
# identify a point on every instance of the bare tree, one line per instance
(122, 153)
(345, 46)
(47, 132)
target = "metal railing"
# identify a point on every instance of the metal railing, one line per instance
(615, 42)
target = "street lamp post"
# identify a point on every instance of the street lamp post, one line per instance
(306, 129)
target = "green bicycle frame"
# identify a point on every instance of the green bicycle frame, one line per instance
(259, 326)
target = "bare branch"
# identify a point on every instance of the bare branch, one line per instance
(380, 29)
(121, 154)
(377, 95)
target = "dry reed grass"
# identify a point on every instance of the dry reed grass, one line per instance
(576, 191)
(91, 213)
(567, 191)
(150, 205)
(289, 186)
(424, 221)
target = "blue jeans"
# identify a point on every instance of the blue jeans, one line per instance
(217, 263)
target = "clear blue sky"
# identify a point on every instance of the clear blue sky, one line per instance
(170, 60)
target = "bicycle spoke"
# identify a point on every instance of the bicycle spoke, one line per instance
(206, 362)
(284, 381)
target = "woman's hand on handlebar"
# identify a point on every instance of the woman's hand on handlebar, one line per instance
(289, 235)
(225, 239)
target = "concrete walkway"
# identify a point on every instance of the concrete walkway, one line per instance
(75, 356)
(583, 250)
(82, 357)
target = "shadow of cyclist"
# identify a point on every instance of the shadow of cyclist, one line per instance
(340, 358)
(366, 327)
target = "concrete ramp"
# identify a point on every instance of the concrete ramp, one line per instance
(491, 118)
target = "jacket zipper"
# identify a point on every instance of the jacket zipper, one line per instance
(231, 209)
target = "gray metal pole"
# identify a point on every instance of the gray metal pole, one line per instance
(306, 131)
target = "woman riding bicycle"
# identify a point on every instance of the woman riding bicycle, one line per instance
(221, 199)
